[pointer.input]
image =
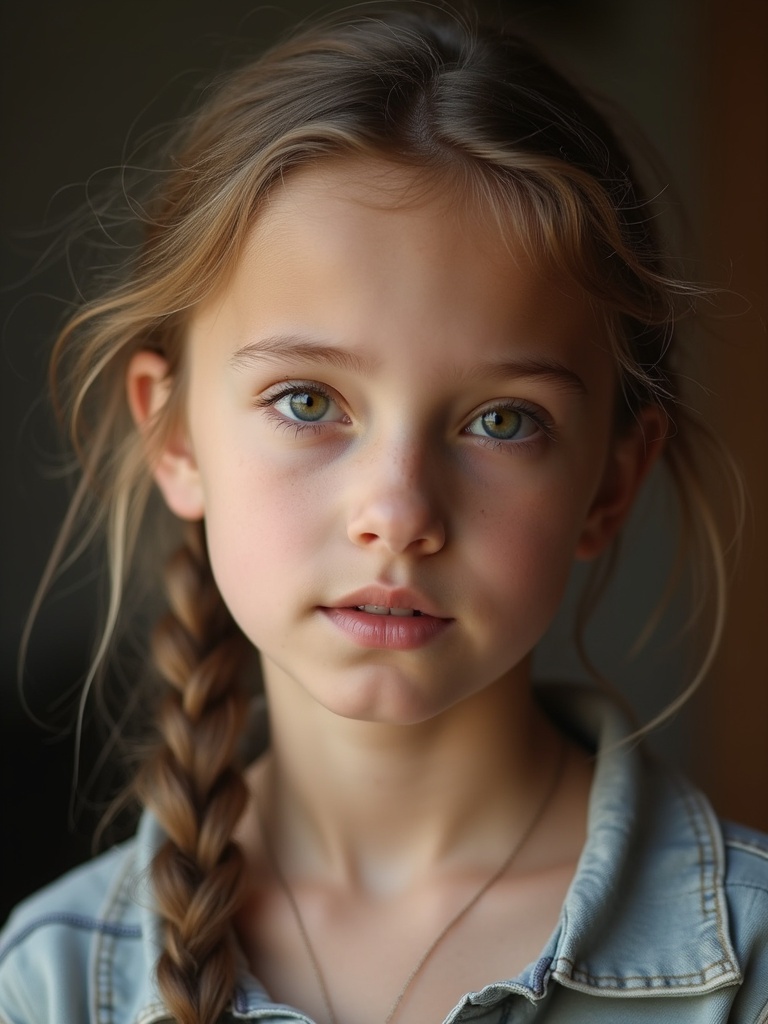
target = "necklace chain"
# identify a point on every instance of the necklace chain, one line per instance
(519, 843)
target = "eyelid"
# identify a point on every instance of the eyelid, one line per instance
(291, 387)
(534, 412)
(269, 398)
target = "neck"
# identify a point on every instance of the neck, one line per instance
(374, 806)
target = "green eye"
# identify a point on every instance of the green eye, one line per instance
(308, 406)
(504, 424)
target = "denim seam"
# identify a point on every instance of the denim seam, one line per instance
(581, 975)
(709, 884)
(693, 818)
(126, 931)
(739, 844)
(104, 951)
(747, 885)
(153, 1013)
(718, 890)
(103, 994)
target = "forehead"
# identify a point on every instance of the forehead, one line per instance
(351, 202)
(366, 252)
(375, 213)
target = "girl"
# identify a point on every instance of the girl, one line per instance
(398, 347)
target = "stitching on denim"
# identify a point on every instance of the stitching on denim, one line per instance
(126, 931)
(103, 991)
(153, 1013)
(582, 975)
(104, 952)
(698, 816)
(747, 847)
(747, 885)
(717, 891)
(693, 817)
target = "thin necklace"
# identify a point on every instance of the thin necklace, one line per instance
(519, 843)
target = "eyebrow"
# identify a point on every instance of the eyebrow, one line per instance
(549, 370)
(292, 346)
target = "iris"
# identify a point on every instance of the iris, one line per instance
(309, 405)
(502, 424)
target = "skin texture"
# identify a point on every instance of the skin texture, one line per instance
(388, 405)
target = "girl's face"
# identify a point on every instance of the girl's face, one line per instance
(400, 436)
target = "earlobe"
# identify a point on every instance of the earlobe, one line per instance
(169, 453)
(630, 459)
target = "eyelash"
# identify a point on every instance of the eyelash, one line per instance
(296, 427)
(533, 412)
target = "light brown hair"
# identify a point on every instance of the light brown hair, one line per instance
(477, 107)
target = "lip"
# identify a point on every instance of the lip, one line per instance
(390, 632)
(386, 597)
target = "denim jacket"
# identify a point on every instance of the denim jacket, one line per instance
(666, 918)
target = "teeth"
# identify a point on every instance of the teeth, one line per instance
(381, 609)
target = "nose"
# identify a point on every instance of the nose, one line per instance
(395, 506)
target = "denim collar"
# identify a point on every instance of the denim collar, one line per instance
(646, 912)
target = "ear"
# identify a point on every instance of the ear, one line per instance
(631, 456)
(149, 386)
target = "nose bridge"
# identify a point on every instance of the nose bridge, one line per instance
(405, 459)
(396, 501)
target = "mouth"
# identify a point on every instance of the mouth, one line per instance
(382, 618)
(383, 627)
(382, 609)
(389, 602)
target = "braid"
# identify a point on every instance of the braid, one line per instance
(193, 787)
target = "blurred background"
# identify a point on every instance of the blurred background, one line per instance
(82, 81)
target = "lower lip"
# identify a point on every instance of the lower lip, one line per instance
(392, 632)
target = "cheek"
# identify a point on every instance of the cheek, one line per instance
(538, 522)
(261, 533)
(533, 552)
(526, 553)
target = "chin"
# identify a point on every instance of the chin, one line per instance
(384, 698)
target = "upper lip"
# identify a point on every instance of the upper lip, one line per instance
(386, 597)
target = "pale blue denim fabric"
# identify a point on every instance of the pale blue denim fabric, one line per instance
(666, 918)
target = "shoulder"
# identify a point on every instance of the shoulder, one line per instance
(732, 862)
(75, 902)
(54, 945)
(746, 883)
(733, 865)
(668, 902)
(747, 855)
(746, 889)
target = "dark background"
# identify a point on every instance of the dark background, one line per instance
(85, 80)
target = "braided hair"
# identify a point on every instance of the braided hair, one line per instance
(479, 109)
